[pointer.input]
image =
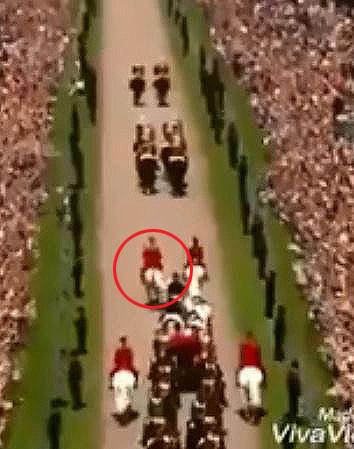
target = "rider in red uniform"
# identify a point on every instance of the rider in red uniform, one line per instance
(250, 352)
(152, 257)
(124, 359)
(197, 252)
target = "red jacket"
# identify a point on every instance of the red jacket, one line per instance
(123, 360)
(250, 355)
(197, 254)
(152, 258)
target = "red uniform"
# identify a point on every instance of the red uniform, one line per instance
(250, 355)
(123, 360)
(152, 258)
(186, 348)
(197, 254)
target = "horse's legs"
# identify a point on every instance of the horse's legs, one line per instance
(149, 292)
(244, 395)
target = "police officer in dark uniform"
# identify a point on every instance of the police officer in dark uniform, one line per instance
(80, 324)
(294, 387)
(279, 334)
(270, 294)
(137, 84)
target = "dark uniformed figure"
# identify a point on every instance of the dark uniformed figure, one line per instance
(91, 83)
(243, 175)
(294, 387)
(176, 286)
(137, 84)
(177, 11)
(260, 250)
(75, 375)
(245, 215)
(169, 7)
(77, 160)
(279, 334)
(215, 101)
(80, 324)
(257, 233)
(75, 122)
(76, 223)
(262, 257)
(218, 87)
(185, 36)
(232, 144)
(203, 72)
(162, 84)
(92, 7)
(54, 426)
(270, 294)
(77, 272)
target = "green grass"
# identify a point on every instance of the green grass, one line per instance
(246, 291)
(53, 329)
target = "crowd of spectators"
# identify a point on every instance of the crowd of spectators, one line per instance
(296, 59)
(33, 38)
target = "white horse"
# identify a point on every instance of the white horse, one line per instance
(199, 277)
(123, 385)
(156, 286)
(250, 379)
(200, 311)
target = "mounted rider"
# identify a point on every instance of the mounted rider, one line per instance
(124, 359)
(146, 158)
(250, 352)
(144, 133)
(177, 163)
(251, 373)
(152, 257)
(197, 253)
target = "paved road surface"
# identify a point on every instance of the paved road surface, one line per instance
(133, 33)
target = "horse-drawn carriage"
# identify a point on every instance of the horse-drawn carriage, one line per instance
(184, 360)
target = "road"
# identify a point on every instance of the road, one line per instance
(134, 33)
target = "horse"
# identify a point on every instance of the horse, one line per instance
(147, 168)
(199, 320)
(200, 275)
(250, 379)
(203, 310)
(177, 166)
(123, 385)
(156, 286)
